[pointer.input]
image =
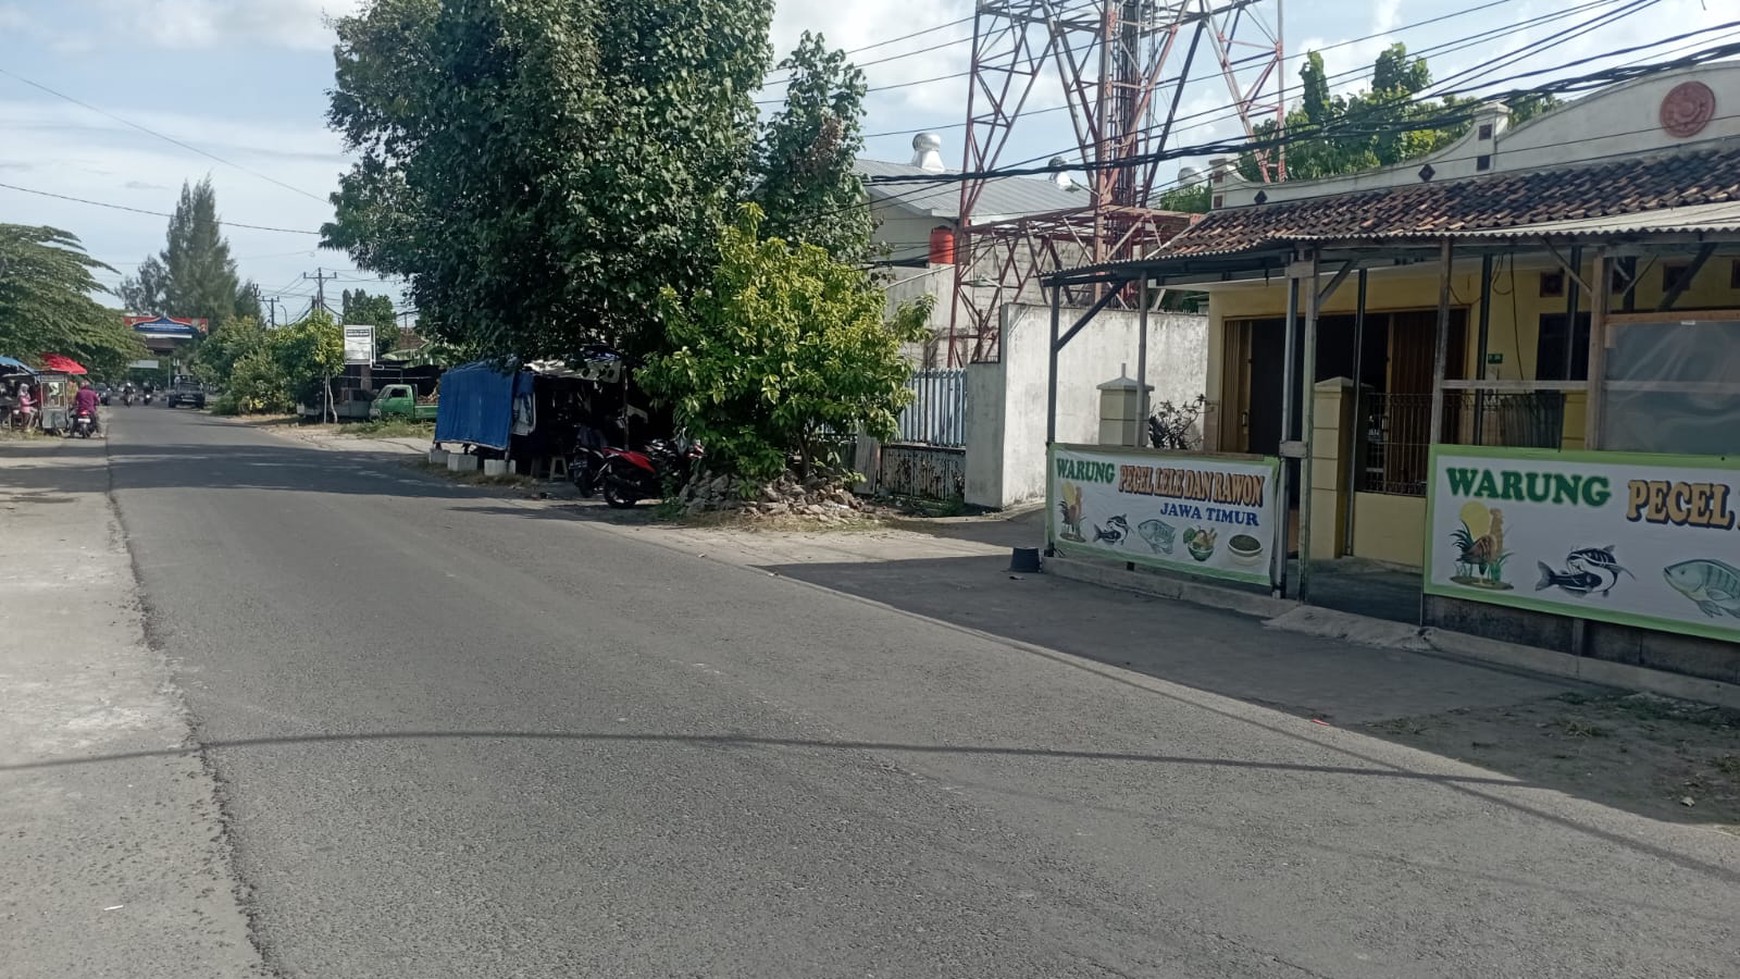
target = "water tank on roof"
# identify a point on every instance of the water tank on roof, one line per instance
(942, 245)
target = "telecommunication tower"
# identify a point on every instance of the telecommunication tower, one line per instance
(1124, 67)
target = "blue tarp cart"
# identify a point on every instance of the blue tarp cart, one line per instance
(477, 404)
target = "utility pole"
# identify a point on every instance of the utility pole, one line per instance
(320, 278)
(272, 310)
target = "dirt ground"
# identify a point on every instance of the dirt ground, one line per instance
(1668, 759)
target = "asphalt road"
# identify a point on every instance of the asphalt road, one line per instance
(456, 738)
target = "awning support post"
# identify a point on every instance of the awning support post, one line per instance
(1289, 370)
(1308, 418)
(1142, 360)
(1354, 458)
(1480, 355)
(1441, 356)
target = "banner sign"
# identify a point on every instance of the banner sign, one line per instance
(167, 327)
(1205, 515)
(1643, 540)
(144, 365)
(359, 344)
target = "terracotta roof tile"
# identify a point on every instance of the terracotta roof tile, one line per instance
(1474, 204)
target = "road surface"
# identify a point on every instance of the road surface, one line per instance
(461, 738)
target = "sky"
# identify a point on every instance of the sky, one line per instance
(120, 101)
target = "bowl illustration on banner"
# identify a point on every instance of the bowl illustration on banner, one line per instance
(1245, 550)
(1199, 541)
(1159, 534)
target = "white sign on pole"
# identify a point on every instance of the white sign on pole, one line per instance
(144, 365)
(1204, 515)
(359, 344)
(1644, 540)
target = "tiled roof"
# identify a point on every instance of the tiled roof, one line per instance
(1005, 197)
(1507, 201)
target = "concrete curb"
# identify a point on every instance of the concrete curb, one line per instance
(1177, 589)
(1291, 616)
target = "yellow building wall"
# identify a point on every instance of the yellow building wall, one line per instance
(1389, 528)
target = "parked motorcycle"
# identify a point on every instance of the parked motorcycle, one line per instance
(586, 461)
(84, 424)
(625, 477)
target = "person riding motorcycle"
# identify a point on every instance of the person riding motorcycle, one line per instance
(85, 401)
(127, 393)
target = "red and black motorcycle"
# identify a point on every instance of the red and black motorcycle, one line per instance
(626, 477)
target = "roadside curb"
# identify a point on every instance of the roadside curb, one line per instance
(1288, 615)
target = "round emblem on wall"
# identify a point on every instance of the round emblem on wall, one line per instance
(1688, 109)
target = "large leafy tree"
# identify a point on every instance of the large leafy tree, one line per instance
(538, 172)
(804, 178)
(194, 275)
(47, 304)
(785, 344)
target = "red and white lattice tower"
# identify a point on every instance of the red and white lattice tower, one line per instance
(1124, 66)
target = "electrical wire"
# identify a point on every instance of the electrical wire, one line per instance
(1227, 113)
(1326, 131)
(1367, 70)
(152, 132)
(140, 210)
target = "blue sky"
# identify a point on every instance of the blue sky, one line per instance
(243, 83)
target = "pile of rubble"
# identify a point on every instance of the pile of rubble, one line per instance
(822, 498)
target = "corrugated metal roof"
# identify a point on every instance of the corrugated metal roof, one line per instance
(1680, 193)
(1005, 197)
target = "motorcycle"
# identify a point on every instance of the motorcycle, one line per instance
(84, 424)
(626, 477)
(127, 398)
(586, 461)
(147, 397)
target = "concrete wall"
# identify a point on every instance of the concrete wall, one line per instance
(1006, 402)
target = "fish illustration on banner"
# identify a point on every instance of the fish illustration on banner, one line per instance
(1714, 586)
(1114, 532)
(1587, 570)
(1159, 534)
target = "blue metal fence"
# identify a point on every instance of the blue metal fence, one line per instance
(938, 412)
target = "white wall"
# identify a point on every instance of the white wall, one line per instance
(1177, 369)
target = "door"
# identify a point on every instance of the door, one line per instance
(1268, 361)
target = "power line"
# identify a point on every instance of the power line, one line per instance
(1330, 131)
(895, 40)
(152, 132)
(140, 210)
(1577, 83)
(1348, 74)
(1219, 114)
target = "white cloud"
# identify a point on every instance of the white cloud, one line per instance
(196, 24)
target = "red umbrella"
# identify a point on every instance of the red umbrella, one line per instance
(62, 364)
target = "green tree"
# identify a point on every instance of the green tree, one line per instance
(804, 178)
(144, 292)
(785, 344)
(1375, 128)
(308, 355)
(46, 304)
(194, 275)
(228, 343)
(538, 172)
